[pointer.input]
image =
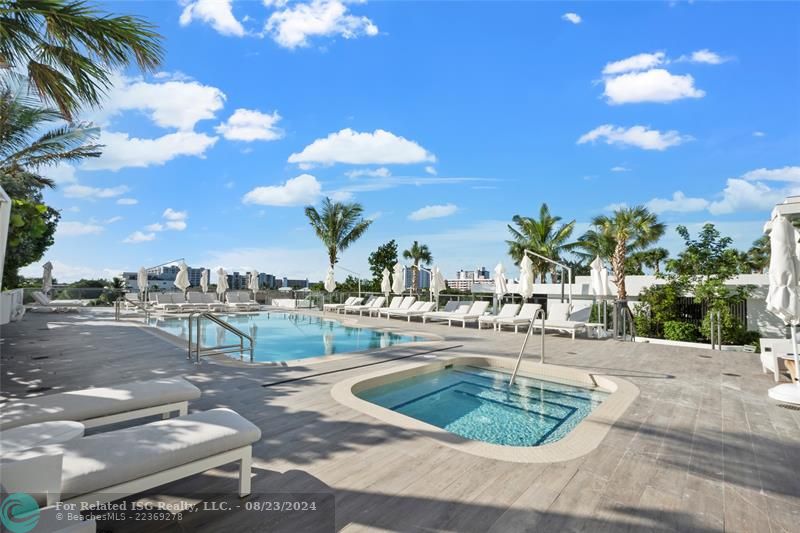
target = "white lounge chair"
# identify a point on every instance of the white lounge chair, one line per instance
(771, 351)
(100, 406)
(116, 464)
(524, 318)
(417, 309)
(393, 304)
(404, 304)
(558, 314)
(507, 311)
(333, 307)
(475, 312)
(167, 302)
(460, 309)
(372, 303)
(43, 303)
(240, 301)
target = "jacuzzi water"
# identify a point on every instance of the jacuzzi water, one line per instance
(282, 336)
(477, 403)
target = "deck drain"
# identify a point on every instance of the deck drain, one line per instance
(789, 406)
(39, 389)
(731, 374)
(37, 358)
(705, 356)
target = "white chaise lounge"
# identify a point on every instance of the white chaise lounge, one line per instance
(417, 309)
(524, 318)
(460, 309)
(404, 304)
(103, 405)
(353, 300)
(476, 310)
(113, 465)
(393, 304)
(558, 314)
(507, 311)
(771, 352)
(202, 301)
(240, 301)
(373, 303)
(167, 301)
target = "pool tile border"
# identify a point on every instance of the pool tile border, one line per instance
(583, 439)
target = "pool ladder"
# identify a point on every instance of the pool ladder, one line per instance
(221, 349)
(541, 312)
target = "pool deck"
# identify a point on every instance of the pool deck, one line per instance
(701, 449)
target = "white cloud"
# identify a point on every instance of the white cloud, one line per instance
(571, 17)
(615, 206)
(380, 172)
(788, 174)
(127, 201)
(172, 104)
(430, 169)
(704, 56)
(84, 191)
(351, 147)
(251, 125)
(759, 134)
(635, 63)
(341, 196)
(112, 220)
(293, 26)
(302, 190)
(433, 211)
(65, 272)
(620, 168)
(138, 236)
(638, 136)
(154, 227)
(61, 173)
(217, 13)
(655, 85)
(75, 229)
(171, 214)
(123, 151)
(743, 195)
(679, 203)
(176, 225)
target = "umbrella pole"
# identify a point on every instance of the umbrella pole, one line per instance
(794, 346)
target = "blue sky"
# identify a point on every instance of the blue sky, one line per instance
(443, 119)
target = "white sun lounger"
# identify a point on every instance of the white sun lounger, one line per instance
(461, 309)
(240, 301)
(404, 304)
(167, 302)
(558, 319)
(507, 311)
(475, 312)
(353, 300)
(116, 464)
(417, 309)
(524, 318)
(393, 304)
(200, 301)
(374, 303)
(103, 405)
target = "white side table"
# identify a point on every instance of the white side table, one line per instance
(596, 327)
(25, 437)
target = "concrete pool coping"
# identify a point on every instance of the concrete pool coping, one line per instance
(586, 436)
(352, 321)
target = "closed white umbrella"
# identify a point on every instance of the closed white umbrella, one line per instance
(222, 283)
(500, 281)
(437, 282)
(47, 277)
(783, 297)
(182, 279)
(330, 281)
(141, 280)
(398, 281)
(526, 277)
(204, 280)
(253, 285)
(386, 282)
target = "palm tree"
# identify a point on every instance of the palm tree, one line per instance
(419, 253)
(25, 149)
(543, 236)
(338, 226)
(653, 257)
(632, 229)
(757, 257)
(595, 243)
(68, 49)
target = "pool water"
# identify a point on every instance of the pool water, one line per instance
(282, 336)
(477, 403)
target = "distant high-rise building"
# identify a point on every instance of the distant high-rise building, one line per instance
(162, 278)
(424, 278)
(465, 279)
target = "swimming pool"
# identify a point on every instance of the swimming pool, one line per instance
(476, 403)
(282, 336)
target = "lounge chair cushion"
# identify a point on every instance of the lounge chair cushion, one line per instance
(96, 402)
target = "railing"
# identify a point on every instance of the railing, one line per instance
(214, 350)
(136, 303)
(623, 311)
(525, 342)
(718, 322)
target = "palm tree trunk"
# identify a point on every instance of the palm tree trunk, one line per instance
(415, 277)
(618, 264)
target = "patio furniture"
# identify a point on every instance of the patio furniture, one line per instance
(461, 309)
(476, 311)
(369, 304)
(771, 360)
(524, 318)
(32, 435)
(167, 302)
(558, 319)
(417, 309)
(394, 304)
(116, 464)
(333, 307)
(507, 311)
(43, 300)
(404, 304)
(103, 405)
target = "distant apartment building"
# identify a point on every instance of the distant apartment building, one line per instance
(161, 278)
(466, 279)
(294, 283)
(424, 278)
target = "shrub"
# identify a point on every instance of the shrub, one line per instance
(676, 330)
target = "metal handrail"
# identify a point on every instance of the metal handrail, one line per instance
(118, 305)
(228, 348)
(525, 342)
(627, 317)
(562, 267)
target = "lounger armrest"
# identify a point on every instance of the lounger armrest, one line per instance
(33, 473)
